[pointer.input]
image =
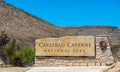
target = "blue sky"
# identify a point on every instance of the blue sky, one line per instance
(73, 12)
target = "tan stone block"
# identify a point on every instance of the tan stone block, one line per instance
(73, 60)
(97, 64)
(43, 61)
(46, 64)
(66, 46)
(76, 64)
(83, 64)
(80, 60)
(43, 64)
(103, 64)
(103, 58)
(90, 60)
(36, 65)
(69, 64)
(91, 64)
(66, 61)
(61, 65)
(58, 60)
(63, 62)
(50, 61)
(58, 63)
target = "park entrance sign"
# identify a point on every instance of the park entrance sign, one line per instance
(66, 46)
(73, 51)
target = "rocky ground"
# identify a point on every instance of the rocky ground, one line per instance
(114, 68)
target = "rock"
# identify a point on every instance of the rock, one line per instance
(114, 68)
(109, 62)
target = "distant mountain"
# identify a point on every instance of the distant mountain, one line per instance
(111, 31)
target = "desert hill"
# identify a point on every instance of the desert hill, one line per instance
(26, 28)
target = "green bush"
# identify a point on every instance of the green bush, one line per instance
(11, 53)
(28, 56)
(23, 57)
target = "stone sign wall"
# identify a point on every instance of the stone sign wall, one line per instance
(103, 56)
(66, 46)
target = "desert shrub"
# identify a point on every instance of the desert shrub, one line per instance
(12, 54)
(28, 56)
(116, 50)
(16, 59)
(4, 39)
(8, 52)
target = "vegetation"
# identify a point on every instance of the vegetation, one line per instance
(8, 52)
(4, 39)
(12, 54)
(23, 57)
(16, 59)
(116, 50)
(28, 56)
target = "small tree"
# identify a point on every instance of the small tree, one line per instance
(28, 56)
(8, 52)
(4, 39)
(16, 59)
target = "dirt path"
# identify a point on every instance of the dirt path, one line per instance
(13, 69)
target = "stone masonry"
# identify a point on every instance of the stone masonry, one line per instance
(102, 58)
